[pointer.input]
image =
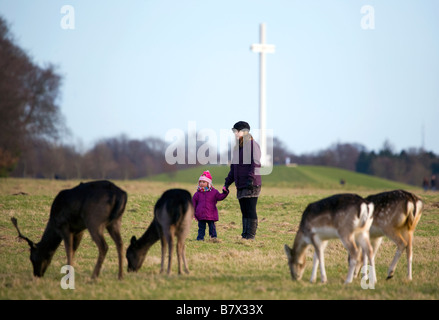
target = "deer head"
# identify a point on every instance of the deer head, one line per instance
(297, 256)
(40, 262)
(135, 256)
(296, 263)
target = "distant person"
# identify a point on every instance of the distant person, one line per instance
(433, 182)
(425, 184)
(244, 172)
(204, 201)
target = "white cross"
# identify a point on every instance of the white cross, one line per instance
(262, 48)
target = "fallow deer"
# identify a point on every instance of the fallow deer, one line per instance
(173, 214)
(396, 216)
(94, 206)
(344, 216)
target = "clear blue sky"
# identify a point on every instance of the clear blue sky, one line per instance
(141, 68)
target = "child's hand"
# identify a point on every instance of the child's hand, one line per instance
(225, 190)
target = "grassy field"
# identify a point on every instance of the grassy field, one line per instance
(230, 269)
(300, 177)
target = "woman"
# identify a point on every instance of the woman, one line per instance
(244, 172)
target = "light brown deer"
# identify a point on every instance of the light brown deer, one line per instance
(344, 216)
(396, 215)
(173, 214)
(94, 206)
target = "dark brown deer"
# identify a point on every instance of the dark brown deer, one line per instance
(173, 214)
(94, 206)
(396, 216)
(344, 216)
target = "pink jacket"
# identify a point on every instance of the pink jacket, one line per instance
(205, 204)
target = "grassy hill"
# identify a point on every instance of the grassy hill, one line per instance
(292, 177)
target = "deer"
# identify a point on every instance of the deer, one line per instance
(173, 213)
(347, 217)
(396, 216)
(94, 206)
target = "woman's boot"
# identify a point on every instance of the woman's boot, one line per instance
(252, 225)
(244, 228)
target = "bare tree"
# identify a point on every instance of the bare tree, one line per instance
(29, 100)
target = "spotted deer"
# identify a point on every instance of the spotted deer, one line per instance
(94, 206)
(396, 215)
(173, 214)
(344, 216)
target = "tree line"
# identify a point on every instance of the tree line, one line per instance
(411, 166)
(124, 158)
(32, 129)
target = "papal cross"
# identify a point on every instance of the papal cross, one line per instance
(262, 48)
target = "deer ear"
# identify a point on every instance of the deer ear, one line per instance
(133, 240)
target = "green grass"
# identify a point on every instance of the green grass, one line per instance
(230, 269)
(293, 177)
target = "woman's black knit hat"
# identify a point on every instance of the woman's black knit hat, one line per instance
(241, 125)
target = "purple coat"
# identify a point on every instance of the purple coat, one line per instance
(246, 163)
(205, 204)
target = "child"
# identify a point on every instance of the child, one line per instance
(204, 201)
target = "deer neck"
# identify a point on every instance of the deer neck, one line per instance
(50, 240)
(299, 247)
(150, 237)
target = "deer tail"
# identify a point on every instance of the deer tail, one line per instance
(119, 205)
(414, 210)
(366, 214)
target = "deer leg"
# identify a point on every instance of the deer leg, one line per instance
(409, 251)
(319, 247)
(163, 244)
(68, 244)
(322, 260)
(351, 247)
(186, 269)
(170, 251)
(114, 231)
(359, 261)
(368, 254)
(392, 266)
(315, 265)
(322, 266)
(375, 243)
(401, 244)
(98, 238)
(76, 241)
(181, 255)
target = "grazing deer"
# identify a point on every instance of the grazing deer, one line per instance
(93, 206)
(138, 248)
(396, 215)
(173, 214)
(344, 216)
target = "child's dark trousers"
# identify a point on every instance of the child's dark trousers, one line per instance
(202, 229)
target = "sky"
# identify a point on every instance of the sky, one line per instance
(339, 74)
